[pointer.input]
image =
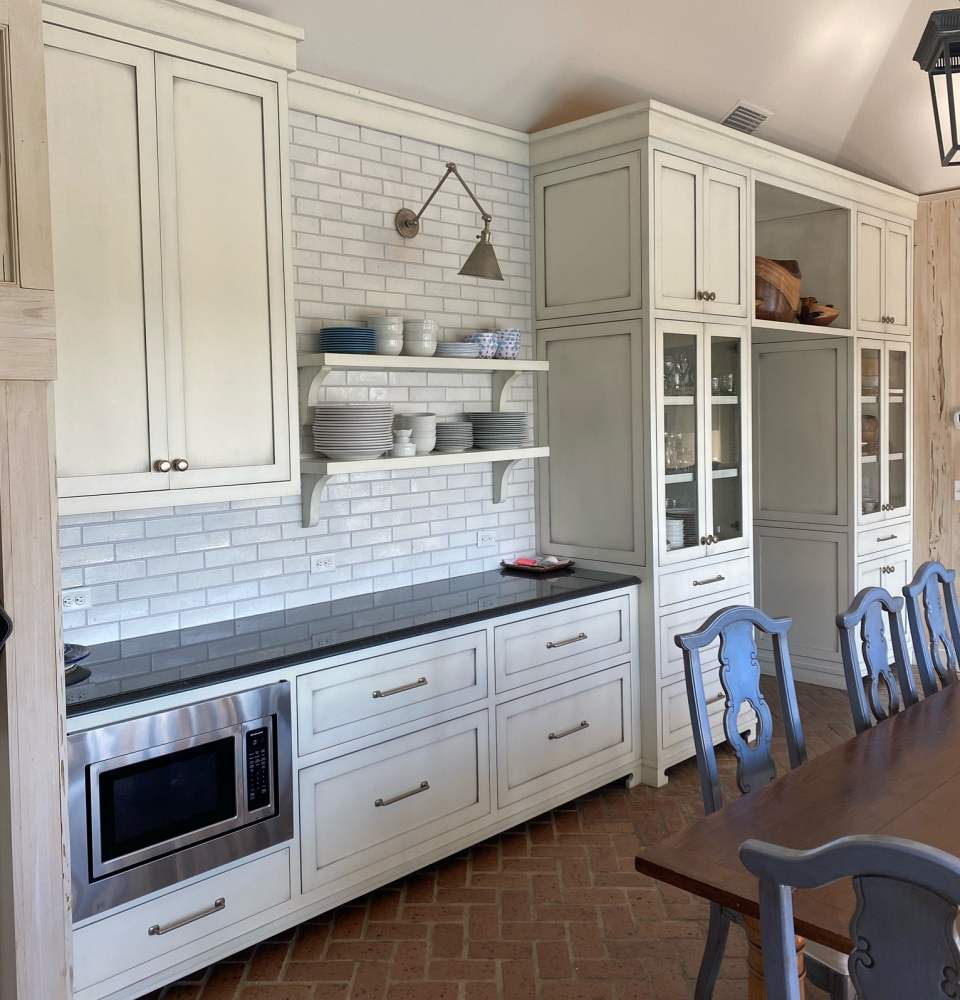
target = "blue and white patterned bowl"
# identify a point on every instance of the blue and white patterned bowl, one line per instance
(508, 344)
(487, 342)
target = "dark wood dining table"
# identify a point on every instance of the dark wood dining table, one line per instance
(900, 779)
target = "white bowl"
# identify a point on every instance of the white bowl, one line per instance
(386, 324)
(417, 326)
(389, 343)
(419, 348)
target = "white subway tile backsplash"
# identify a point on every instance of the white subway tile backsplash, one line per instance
(152, 571)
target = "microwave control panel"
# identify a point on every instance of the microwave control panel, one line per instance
(258, 768)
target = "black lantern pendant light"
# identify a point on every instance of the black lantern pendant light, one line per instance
(939, 56)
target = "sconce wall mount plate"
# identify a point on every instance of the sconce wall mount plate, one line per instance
(408, 223)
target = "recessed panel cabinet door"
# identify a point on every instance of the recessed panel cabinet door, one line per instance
(588, 238)
(724, 242)
(223, 275)
(591, 488)
(110, 393)
(870, 272)
(678, 195)
(898, 278)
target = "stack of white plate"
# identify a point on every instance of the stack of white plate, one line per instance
(498, 430)
(348, 431)
(457, 349)
(454, 436)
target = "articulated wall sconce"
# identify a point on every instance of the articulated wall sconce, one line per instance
(482, 262)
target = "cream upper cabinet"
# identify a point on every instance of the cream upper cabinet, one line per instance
(169, 258)
(884, 275)
(590, 403)
(589, 238)
(700, 237)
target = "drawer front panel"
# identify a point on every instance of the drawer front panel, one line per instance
(551, 736)
(540, 648)
(367, 696)
(370, 805)
(153, 930)
(695, 584)
(689, 620)
(884, 537)
(676, 727)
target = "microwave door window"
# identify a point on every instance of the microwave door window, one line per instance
(152, 802)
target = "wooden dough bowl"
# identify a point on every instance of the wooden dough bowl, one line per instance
(777, 289)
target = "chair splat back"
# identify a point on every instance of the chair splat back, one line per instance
(864, 621)
(903, 928)
(740, 679)
(934, 626)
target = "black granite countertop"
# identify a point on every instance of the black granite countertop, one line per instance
(134, 670)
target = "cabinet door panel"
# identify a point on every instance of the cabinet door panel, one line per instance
(870, 272)
(725, 242)
(223, 274)
(898, 278)
(111, 420)
(898, 443)
(678, 188)
(588, 235)
(594, 382)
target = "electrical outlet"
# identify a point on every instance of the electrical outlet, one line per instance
(76, 599)
(322, 563)
(322, 639)
(485, 538)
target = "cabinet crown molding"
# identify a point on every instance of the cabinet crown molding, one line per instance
(209, 23)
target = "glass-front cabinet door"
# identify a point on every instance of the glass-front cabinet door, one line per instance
(884, 393)
(701, 425)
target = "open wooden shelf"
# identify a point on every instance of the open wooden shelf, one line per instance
(400, 362)
(315, 471)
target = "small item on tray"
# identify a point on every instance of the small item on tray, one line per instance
(537, 564)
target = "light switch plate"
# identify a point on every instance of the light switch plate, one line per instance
(956, 489)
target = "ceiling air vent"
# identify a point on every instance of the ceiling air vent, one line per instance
(746, 117)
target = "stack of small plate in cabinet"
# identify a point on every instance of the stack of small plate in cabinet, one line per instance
(457, 349)
(454, 436)
(348, 340)
(352, 431)
(498, 430)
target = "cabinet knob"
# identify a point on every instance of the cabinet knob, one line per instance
(180, 465)
(703, 540)
(712, 296)
(162, 465)
(700, 296)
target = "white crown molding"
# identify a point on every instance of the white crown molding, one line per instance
(319, 95)
(207, 23)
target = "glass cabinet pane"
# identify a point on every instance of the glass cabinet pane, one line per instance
(680, 421)
(897, 403)
(725, 443)
(870, 429)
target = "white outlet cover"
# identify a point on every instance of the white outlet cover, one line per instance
(485, 538)
(956, 489)
(323, 563)
(76, 599)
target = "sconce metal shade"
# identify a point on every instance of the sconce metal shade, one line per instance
(482, 262)
(938, 55)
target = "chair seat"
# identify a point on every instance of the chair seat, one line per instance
(836, 961)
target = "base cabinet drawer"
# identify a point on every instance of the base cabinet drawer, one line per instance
(540, 648)
(552, 736)
(369, 806)
(689, 620)
(153, 930)
(676, 727)
(884, 537)
(364, 697)
(707, 579)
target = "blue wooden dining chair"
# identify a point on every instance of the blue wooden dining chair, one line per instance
(863, 641)
(934, 628)
(739, 675)
(904, 925)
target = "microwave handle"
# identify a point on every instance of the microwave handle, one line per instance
(6, 627)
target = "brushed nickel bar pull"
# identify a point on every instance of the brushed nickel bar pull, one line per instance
(579, 637)
(569, 732)
(418, 683)
(422, 787)
(713, 579)
(157, 929)
(886, 538)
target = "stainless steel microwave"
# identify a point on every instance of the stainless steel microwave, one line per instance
(160, 798)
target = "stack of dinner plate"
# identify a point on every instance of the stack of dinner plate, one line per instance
(454, 436)
(347, 431)
(457, 349)
(498, 430)
(348, 340)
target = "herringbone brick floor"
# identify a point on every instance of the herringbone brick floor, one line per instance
(550, 910)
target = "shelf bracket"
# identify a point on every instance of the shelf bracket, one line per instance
(501, 474)
(311, 379)
(500, 386)
(311, 490)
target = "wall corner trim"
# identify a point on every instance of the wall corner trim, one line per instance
(320, 95)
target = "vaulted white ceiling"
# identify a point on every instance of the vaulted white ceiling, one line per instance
(837, 74)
